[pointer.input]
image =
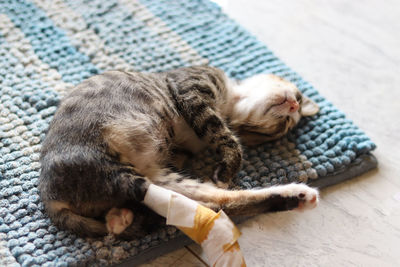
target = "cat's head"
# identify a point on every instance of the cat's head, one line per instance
(267, 107)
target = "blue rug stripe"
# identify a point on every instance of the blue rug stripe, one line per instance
(135, 49)
(50, 43)
(84, 39)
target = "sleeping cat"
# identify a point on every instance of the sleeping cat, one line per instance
(118, 132)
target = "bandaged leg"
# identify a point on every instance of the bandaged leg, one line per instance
(215, 232)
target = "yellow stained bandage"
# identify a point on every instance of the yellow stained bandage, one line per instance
(203, 222)
(215, 232)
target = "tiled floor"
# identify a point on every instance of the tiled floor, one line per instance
(350, 51)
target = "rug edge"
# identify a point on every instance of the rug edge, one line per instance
(365, 163)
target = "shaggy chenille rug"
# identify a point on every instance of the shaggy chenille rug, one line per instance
(47, 46)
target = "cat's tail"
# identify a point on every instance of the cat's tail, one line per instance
(241, 202)
(65, 218)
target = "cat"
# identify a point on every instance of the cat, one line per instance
(118, 132)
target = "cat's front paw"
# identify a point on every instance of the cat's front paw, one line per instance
(222, 175)
(225, 172)
(218, 175)
(117, 220)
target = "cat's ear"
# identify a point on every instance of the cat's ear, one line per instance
(308, 107)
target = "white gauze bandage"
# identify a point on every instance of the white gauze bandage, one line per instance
(215, 232)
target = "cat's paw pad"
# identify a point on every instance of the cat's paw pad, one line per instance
(117, 220)
(308, 197)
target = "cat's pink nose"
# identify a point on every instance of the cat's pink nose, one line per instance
(293, 105)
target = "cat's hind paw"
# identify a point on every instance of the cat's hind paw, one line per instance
(292, 197)
(308, 197)
(117, 220)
